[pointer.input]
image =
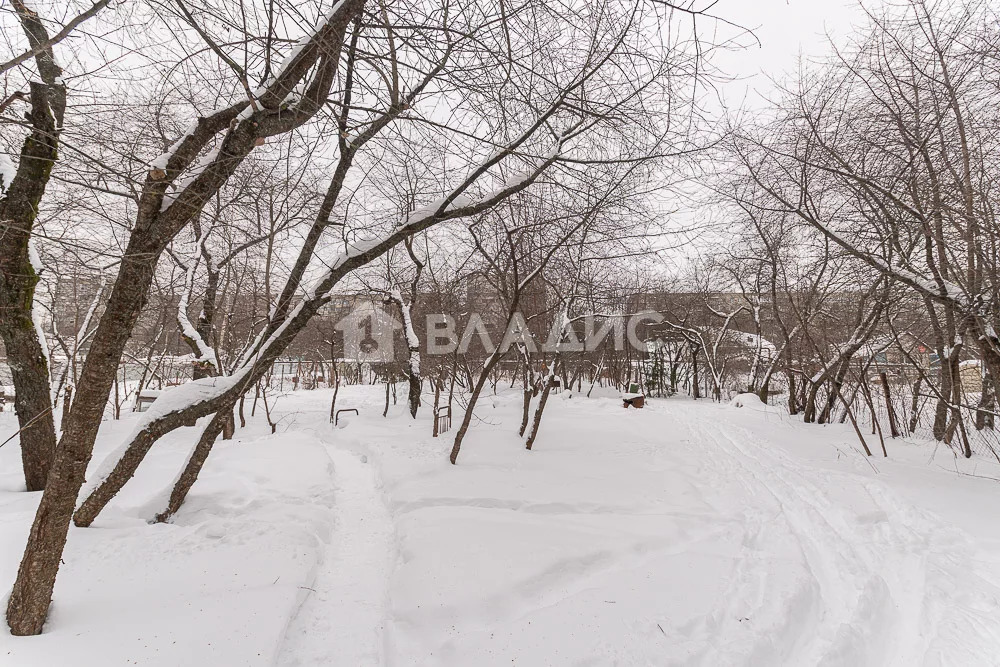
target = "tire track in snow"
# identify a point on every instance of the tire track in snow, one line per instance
(849, 591)
(886, 583)
(790, 626)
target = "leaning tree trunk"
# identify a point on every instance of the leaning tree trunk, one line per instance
(536, 422)
(491, 363)
(195, 463)
(529, 391)
(889, 407)
(32, 592)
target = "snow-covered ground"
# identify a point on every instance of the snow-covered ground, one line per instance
(684, 533)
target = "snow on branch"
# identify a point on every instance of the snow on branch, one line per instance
(205, 352)
(450, 207)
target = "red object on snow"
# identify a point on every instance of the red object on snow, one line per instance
(633, 401)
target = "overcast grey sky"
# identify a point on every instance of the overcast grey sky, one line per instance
(785, 29)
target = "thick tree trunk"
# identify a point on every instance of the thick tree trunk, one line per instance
(154, 228)
(229, 425)
(32, 399)
(525, 410)
(32, 593)
(413, 396)
(27, 360)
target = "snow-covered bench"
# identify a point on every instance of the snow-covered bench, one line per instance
(144, 399)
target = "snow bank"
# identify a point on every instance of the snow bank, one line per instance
(746, 400)
(215, 587)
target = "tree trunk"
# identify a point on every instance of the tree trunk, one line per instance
(765, 389)
(529, 391)
(694, 373)
(155, 226)
(987, 405)
(793, 404)
(336, 390)
(867, 395)
(198, 457)
(32, 398)
(940, 427)
(32, 592)
(413, 397)
(67, 403)
(837, 383)
(228, 425)
(915, 403)
(525, 411)
(25, 356)
(809, 410)
(890, 409)
(491, 363)
(538, 412)
(437, 406)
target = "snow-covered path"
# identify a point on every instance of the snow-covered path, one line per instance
(340, 620)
